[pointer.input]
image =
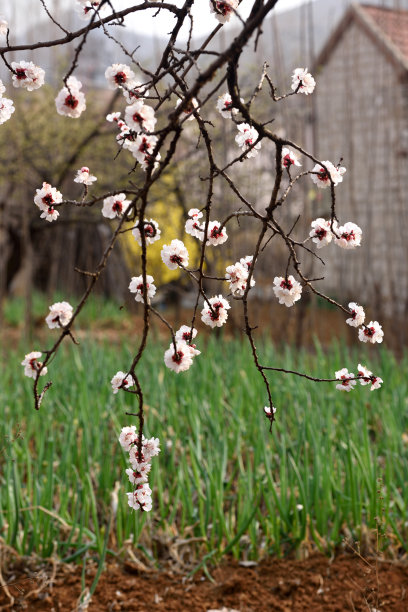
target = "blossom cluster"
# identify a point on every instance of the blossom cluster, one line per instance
(45, 199)
(141, 496)
(287, 290)
(180, 354)
(349, 381)
(6, 105)
(216, 232)
(347, 236)
(135, 130)
(237, 275)
(371, 332)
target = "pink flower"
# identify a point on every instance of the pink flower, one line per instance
(223, 9)
(287, 290)
(120, 380)
(136, 286)
(321, 232)
(60, 315)
(369, 378)
(150, 229)
(245, 139)
(119, 75)
(322, 177)
(84, 177)
(346, 384)
(115, 206)
(372, 332)
(357, 315)
(349, 236)
(289, 159)
(174, 255)
(27, 75)
(217, 315)
(70, 101)
(302, 81)
(32, 365)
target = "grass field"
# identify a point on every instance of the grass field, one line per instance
(221, 477)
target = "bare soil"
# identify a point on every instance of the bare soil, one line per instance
(315, 584)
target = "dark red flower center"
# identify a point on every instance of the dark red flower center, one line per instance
(117, 206)
(137, 118)
(286, 284)
(48, 199)
(178, 357)
(71, 101)
(323, 175)
(348, 236)
(21, 74)
(369, 331)
(215, 233)
(215, 312)
(320, 233)
(176, 259)
(287, 161)
(120, 77)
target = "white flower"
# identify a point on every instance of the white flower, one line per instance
(140, 117)
(135, 91)
(287, 290)
(86, 8)
(120, 380)
(245, 139)
(70, 101)
(32, 365)
(289, 159)
(84, 177)
(180, 359)
(2, 88)
(321, 232)
(186, 334)
(357, 315)
(372, 332)
(303, 78)
(322, 178)
(223, 9)
(141, 498)
(217, 315)
(246, 261)
(237, 276)
(224, 106)
(45, 199)
(139, 475)
(127, 435)
(28, 75)
(6, 109)
(215, 236)
(151, 448)
(349, 236)
(150, 229)
(175, 254)
(60, 315)
(51, 214)
(3, 26)
(369, 378)
(344, 375)
(113, 117)
(148, 160)
(192, 226)
(115, 206)
(136, 286)
(143, 147)
(191, 106)
(119, 75)
(269, 411)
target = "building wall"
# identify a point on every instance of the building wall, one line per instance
(362, 116)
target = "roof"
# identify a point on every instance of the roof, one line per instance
(388, 28)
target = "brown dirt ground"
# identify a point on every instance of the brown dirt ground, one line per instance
(317, 584)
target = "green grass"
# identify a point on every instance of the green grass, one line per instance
(221, 476)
